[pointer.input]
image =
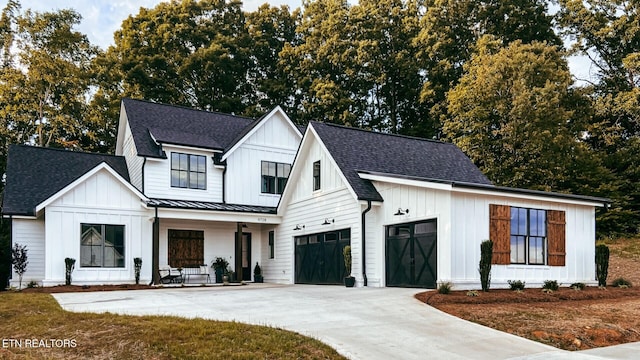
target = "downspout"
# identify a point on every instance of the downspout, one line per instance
(224, 183)
(364, 242)
(155, 275)
(143, 164)
(11, 244)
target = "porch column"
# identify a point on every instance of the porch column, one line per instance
(239, 251)
(155, 276)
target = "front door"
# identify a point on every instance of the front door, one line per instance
(411, 255)
(245, 257)
(186, 248)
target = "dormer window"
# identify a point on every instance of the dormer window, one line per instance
(274, 177)
(188, 171)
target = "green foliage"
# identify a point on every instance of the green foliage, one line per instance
(578, 286)
(550, 285)
(602, 264)
(137, 264)
(257, 270)
(346, 252)
(621, 283)
(486, 253)
(19, 260)
(220, 263)
(516, 284)
(444, 288)
(69, 265)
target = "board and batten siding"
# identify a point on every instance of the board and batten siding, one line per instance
(157, 178)
(30, 233)
(274, 140)
(423, 204)
(130, 153)
(471, 216)
(100, 199)
(309, 208)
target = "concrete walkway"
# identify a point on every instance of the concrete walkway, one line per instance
(360, 323)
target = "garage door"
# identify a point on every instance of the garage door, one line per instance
(411, 256)
(319, 258)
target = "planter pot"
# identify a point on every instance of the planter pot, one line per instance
(219, 276)
(349, 281)
(258, 278)
(225, 279)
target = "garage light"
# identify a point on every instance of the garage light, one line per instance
(401, 212)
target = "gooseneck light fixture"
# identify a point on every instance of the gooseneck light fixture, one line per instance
(401, 212)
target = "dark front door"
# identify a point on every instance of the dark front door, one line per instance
(186, 248)
(411, 256)
(319, 258)
(245, 257)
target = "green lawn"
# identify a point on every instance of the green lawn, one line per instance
(107, 336)
(623, 247)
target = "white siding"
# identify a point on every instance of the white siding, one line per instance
(471, 219)
(30, 233)
(309, 209)
(157, 177)
(101, 199)
(134, 162)
(423, 204)
(274, 140)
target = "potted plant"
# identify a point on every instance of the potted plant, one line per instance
(349, 281)
(137, 264)
(219, 266)
(257, 274)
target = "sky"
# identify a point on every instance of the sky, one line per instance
(101, 18)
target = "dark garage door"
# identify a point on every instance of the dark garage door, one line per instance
(319, 258)
(411, 254)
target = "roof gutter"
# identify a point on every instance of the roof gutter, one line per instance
(364, 242)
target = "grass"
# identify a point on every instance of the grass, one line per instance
(108, 336)
(624, 247)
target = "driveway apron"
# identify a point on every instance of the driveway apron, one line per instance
(360, 323)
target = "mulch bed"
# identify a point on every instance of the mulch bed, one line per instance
(526, 296)
(85, 288)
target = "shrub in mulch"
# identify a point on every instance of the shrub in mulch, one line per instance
(526, 296)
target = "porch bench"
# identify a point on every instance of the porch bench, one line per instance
(169, 275)
(197, 271)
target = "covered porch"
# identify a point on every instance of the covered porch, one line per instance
(189, 235)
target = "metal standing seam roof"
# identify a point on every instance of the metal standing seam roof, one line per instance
(205, 205)
(362, 150)
(34, 174)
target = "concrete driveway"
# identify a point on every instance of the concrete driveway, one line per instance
(360, 323)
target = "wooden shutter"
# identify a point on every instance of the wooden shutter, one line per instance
(500, 233)
(556, 237)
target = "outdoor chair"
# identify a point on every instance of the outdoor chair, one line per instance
(169, 275)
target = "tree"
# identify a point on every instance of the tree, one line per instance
(19, 260)
(512, 114)
(450, 30)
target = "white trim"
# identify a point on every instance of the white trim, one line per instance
(24, 217)
(167, 147)
(213, 215)
(102, 166)
(488, 192)
(257, 126)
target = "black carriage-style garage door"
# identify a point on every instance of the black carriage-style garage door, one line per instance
(411, 256)
(319, 258)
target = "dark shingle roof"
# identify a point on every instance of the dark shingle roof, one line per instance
(180, 126)
(360, 150)
(34, 174)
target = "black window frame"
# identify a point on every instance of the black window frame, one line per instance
(272, 244)
(105, 231)
(527, 237)
(317, 176)
(274, 183)
(188, 171)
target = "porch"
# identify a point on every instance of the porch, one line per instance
(188, 236)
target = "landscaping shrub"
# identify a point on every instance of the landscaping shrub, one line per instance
(32, 284)
(444, 288)
(516, 284)
(550, 285)
(472, 293)
(578, 286)
(69, 264)
(486, 252)
(621, 283)
(19, 259)
(602, 264)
